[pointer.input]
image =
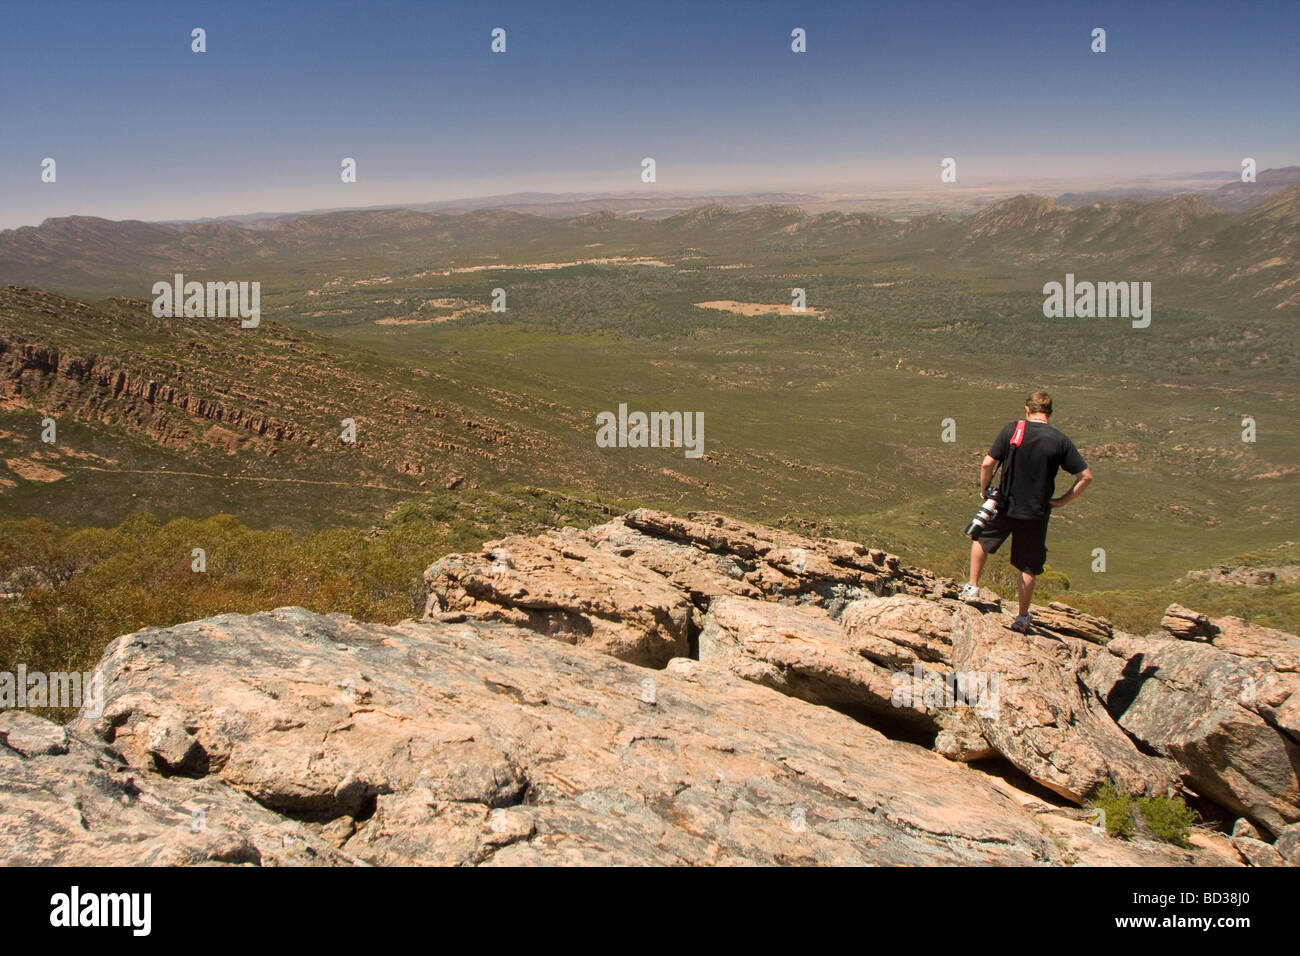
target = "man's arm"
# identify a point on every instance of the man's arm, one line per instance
(986, 472)
(1081, 481)
(997, 453)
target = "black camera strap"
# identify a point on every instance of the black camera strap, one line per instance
(1004, 486)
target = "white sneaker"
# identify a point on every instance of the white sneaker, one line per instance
(1022, 624)
(970, 594)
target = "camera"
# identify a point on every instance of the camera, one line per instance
(982, 517)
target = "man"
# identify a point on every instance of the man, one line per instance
(1023, 516)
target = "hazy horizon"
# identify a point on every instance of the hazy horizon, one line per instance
(827, 193)
(141, 127)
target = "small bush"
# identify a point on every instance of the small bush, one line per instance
(1053, 581)
(1161, 818)
(1118, 810)
(1167, 818)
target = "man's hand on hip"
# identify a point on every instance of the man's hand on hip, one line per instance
(1083, 480)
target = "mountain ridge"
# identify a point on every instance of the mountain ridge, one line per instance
(88, 255)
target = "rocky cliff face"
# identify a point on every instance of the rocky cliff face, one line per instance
(661, 689)
(101, 391)
(196, 385)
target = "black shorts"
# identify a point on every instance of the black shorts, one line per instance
(1028, 541)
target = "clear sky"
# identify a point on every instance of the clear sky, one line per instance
(141, 127)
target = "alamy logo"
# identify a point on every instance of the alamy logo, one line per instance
(1102, 300)
(103, 909)
(653, 430)
(209, 300)
(55, 689)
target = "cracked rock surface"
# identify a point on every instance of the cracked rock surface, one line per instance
(657, 690)
(327, 740)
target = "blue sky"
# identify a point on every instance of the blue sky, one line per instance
(143, 128)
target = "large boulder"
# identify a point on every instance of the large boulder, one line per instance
(1029, 703)
(1186, 624)
(1046, 722)
(66, 799)
(561, 585)
(802, 651)
(1231, 722)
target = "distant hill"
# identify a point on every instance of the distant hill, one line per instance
(551, 205)
(1238, 196)
(1246, 253)
(1231, 196)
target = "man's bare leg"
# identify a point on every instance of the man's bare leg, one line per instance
(1025, 591)
(977, 559)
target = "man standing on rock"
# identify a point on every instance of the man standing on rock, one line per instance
(1023, 516)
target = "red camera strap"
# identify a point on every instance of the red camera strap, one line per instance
(1019, 436)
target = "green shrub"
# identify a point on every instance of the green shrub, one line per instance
(1167, 818)
(1118, 810)
(1162, 818)
(1053, 581)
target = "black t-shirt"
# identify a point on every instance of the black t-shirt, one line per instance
(1033, 476)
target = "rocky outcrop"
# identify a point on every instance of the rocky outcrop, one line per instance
(99, 389)
(834, 623)
(476, 742)
(1230, 719)
(639, 586)
(662, 690)
(802, 651)
(69, 800)
(203, 387)
(623, 586)
(1249, 577)
(1029, 704)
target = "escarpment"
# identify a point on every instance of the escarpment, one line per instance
(200, 383)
